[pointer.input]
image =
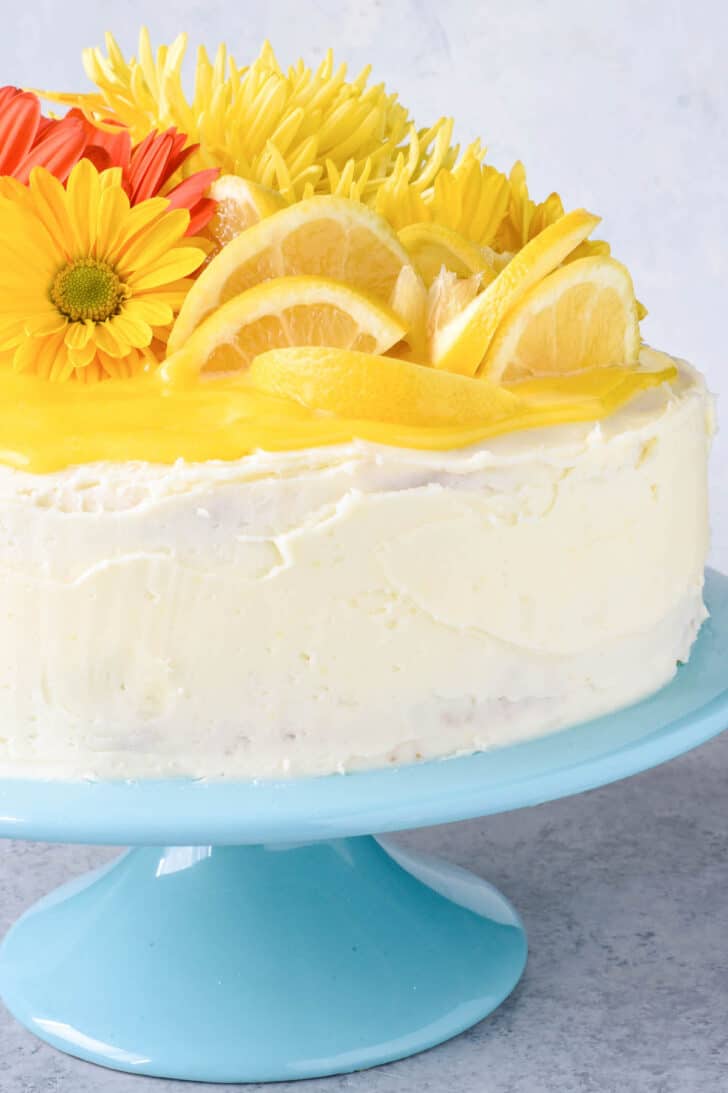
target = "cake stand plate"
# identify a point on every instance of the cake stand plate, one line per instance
(259, 933)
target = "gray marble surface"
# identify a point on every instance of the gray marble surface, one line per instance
(624, 892)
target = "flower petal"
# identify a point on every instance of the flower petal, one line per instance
(178, 263)
(18, 126)
(150, 309)
(156, 241)
(46, 323)
(82, 197)
(81, 356)
(51, 207)
(78, 334)
(47, 352)
(131, 329)
(58, 150)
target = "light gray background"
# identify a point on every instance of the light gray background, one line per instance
(622, 105)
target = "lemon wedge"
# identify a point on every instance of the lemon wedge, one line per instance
(582, 315)
(448, 296)
(240, 204)
(323, 236)
(410, 301)
(287, 311)
(462, 343)
(432, 247)
(362, 386)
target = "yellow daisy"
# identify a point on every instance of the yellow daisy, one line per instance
(89, 286)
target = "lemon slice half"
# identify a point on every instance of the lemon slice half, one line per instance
(362, 386)
(432, 247)
(287, 311)
(583, 315)
(461, 344)
(240, 204)
(329, 237)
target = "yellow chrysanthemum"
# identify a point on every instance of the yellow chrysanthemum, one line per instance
(277, 128)
(471, 199)
(299, 131)
(524, 219)
(88, 285)
(306, 131)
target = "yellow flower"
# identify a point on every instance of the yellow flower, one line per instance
(305, 131)
(300, 131)
(89, 286)
(278, 128)
(471, 199)
(524, 219)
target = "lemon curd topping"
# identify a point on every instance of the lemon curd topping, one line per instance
(45, 427)
(88, 289)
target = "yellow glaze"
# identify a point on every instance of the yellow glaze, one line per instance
(45, 427)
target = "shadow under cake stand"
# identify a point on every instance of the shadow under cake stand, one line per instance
(258, 931)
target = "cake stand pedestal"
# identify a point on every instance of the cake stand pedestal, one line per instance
(259, 933)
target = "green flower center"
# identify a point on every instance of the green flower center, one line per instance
(88, 289)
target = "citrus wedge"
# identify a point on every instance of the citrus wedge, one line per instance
(240, 204)
(447, 297)
(287, 311)
(584, 315)
(409, 301)
(461, 344)
(432, 247)
(362, 386)
(323, 236)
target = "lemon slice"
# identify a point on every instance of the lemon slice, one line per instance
(362, 386)
(583, 315)
(323, 236)
(432, 246)
(240, 204)
(461, 344)
(286, 311)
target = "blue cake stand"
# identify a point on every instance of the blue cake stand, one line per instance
(259, 933)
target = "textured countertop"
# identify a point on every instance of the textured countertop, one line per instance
(624, 893)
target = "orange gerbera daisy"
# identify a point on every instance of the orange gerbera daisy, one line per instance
(149, 167)
(28, 139)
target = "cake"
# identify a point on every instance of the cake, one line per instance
(323, 447)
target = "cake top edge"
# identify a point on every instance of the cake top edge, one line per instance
(127, 482)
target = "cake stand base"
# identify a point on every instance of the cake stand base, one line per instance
(261, 963)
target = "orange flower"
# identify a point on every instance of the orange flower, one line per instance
(148, 167)
(28, 139)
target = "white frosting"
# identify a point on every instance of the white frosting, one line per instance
(325, 610)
